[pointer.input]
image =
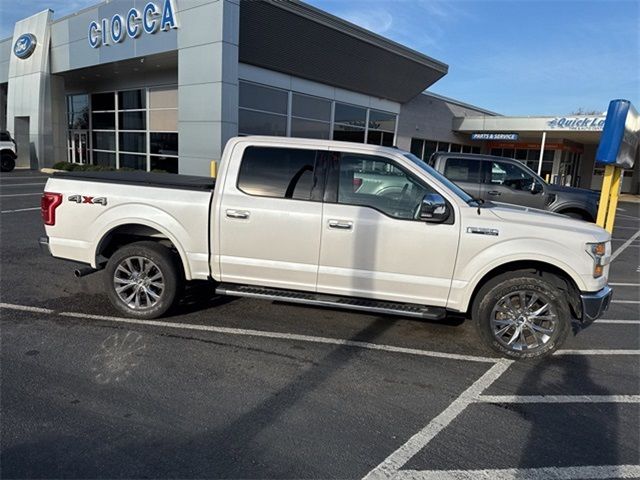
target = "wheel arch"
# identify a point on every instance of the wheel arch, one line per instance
(586, 215)
(129, 232)
(9, 152)
(556, 275)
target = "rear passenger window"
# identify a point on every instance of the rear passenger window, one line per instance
(277, 172)
(462, 170)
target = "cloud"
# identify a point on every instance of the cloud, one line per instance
(378, 20)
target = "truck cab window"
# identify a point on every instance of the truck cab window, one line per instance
(377, 183)
(278, 172)
(510, 175)
(462, 170)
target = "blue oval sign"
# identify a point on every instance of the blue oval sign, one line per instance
(25, 45)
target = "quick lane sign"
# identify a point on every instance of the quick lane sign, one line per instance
(150, 20)
(495, 136)
(577, 123)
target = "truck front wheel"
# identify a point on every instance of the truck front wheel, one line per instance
(522, 315)
(142, 279)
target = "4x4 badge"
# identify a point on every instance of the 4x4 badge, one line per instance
(86, 199)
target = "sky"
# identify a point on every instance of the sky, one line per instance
(515, 57)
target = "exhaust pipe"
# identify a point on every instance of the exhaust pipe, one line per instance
(84, 271)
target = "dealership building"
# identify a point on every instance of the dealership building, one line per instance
(163, 84)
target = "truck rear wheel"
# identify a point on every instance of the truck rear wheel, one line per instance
(142, 279)
(522, 315)
(7, 163)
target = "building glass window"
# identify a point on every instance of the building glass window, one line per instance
(266, 110)
(132, 100)
(78, 112)
(134, 129)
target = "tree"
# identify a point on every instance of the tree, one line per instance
(584, 111)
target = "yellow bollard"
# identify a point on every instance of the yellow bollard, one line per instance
(214, 169)
(604, 195)
(613, 198)
(609, 197)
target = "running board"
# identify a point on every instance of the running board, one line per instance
(323, 300)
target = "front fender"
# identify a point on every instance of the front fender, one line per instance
(471, 269)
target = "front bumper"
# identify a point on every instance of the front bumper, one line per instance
(594, 304)
(44, 244)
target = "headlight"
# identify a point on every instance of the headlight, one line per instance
(598, 252)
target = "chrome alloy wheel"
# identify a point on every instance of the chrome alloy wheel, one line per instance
(138, 282)
(523, 320)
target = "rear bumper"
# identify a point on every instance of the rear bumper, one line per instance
(44, 244)
(594, 304)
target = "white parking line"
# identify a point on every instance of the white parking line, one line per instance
(285, 336)
(25, 308)
(622, 247)
(558, 399)
(632, 322)
(597, 352)
(19, 184)
(544, 473)
(625, 301)
(390, 466)
(262, 334)
(11, 177)
(624, 284)
(21, 194)
(20, 210)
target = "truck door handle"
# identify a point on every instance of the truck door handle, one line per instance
(341, 224)
(495, 193)
(237, 214)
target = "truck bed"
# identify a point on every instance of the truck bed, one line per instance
(145, 179)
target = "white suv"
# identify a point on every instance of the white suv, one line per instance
(8, 152)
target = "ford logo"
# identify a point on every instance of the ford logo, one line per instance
(25, 45)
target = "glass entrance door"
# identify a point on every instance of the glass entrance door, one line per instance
(78, 148)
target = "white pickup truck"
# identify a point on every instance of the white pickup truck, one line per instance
(333, 224)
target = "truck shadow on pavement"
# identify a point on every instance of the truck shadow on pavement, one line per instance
(567, 434)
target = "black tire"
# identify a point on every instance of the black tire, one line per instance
(491, 318)
(7, 163)
(141, 255)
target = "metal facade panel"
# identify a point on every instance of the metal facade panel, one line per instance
(279, 39)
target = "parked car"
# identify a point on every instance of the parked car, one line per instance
(332, 224)
(8, 152)
(507, 180)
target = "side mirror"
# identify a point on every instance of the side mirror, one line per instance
(434, 208)
(536, 187)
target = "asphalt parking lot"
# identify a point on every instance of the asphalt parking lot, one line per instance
(250, 389)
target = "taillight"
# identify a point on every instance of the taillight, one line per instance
(48, 204)
(357, 182)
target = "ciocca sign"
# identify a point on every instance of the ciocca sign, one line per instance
(151, 19)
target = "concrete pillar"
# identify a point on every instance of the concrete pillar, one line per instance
(29, 95)
(207, 81)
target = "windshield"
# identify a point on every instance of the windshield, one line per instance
(441, 178)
